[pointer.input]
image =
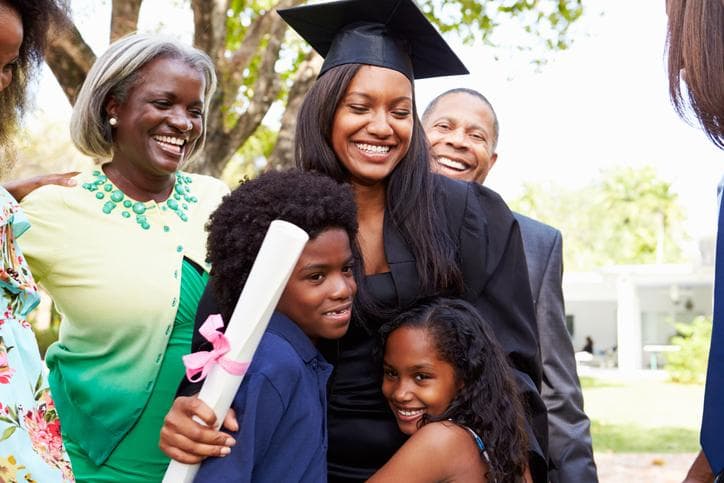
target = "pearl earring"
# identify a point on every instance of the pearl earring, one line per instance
(113, 121)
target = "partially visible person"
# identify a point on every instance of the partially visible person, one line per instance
(450, 388)
(462, 128)
(31, 448)
(23, 31)
(123, 253)
(588, 346)
(695, 51)
(282, 401)
(695, 55)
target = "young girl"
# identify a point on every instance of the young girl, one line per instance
(449, 387)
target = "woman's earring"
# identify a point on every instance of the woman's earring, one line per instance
(113, 121)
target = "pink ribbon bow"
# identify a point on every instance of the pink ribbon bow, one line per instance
(200, 363)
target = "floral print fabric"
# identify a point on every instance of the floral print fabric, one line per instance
(31, 448)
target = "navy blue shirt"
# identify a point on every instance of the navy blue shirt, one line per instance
(281, 407)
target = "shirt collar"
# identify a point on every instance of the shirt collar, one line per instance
(285, 328)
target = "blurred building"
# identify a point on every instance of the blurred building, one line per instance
(630, 310)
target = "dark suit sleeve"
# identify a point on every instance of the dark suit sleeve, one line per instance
(569, 433)
(496, 278)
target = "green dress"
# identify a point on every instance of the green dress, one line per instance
(137, 458)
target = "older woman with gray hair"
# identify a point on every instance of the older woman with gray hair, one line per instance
(123, 254)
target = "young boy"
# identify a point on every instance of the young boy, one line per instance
(281, 404)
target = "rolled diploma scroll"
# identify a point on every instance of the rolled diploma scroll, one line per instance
(279, 252)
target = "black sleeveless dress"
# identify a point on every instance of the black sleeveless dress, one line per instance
(363, 433)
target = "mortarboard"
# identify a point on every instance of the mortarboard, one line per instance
(385, 33)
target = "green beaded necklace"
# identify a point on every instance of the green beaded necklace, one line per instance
(178, 202)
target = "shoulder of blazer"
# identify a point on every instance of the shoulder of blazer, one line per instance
(453, 199)
(534, 230)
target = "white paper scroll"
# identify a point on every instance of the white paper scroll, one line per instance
(279, 252)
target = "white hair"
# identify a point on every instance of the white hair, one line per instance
(113, 75)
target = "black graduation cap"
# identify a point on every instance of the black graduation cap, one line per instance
(386, 33)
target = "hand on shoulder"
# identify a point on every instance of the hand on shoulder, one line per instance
(20, 188)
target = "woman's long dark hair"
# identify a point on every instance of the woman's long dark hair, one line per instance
(410, 188)
(488, 401)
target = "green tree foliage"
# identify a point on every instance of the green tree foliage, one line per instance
(259, 63)
(688, 365)
(546, 21)
(627, 216)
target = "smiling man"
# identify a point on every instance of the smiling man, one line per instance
(462, 128)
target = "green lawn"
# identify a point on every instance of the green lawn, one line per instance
(643, 416)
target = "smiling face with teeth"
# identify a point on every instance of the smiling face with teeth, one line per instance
(461, 131)
(416, 380)
(372, 126)
(318, 296)
(159, 120)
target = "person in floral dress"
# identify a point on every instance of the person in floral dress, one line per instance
(31, 448)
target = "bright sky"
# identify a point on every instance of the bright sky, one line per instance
(601, 103)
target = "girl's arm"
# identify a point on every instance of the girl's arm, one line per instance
(437, 452)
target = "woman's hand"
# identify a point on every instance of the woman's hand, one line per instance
(700, 471)
(20, 188)
(190, 442)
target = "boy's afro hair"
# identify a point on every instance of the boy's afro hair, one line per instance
(311, 201)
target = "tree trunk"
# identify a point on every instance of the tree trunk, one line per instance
(223, 141)
(283, 154)
(124, 17)
(210, 27)
(69, 57)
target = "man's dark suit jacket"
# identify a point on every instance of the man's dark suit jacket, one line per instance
(569, 437)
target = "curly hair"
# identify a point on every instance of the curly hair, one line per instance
(36, 16)
(311, 201)
(488, 401)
